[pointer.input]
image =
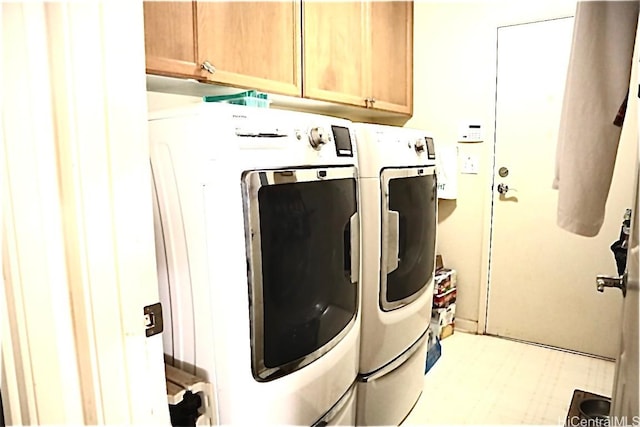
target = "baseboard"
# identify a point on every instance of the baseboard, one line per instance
(465, 325)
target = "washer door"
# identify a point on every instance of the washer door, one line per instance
(302, 235)
(409, 214)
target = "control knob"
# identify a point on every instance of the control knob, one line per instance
(318, 137)
(420, 146)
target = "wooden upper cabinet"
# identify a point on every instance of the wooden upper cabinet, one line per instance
(252, 44)
(391, 31)
(355, 52)
(359, 53)
(335, 52)
(169, 37)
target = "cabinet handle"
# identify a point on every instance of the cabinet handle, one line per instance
(207, 66)
(372, 101)
(366, 102)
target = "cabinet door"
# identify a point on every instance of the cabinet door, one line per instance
(170, 39)
(252, 44)
(391, 28)
(336, 52)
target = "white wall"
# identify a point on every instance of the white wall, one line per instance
(159, 101)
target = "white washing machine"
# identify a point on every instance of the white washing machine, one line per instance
(257, 242)
(399, 220)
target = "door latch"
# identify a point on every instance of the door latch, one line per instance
(603, 281)
(153, 319)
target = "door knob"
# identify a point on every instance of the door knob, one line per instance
(603, 281)
(503, 188)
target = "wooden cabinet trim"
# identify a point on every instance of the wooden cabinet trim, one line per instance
(383, 105)
(314, 85)
(293, 88)
(169, 44)
(300, 84)
(312, 78)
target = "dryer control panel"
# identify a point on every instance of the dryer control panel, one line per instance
(419, 145)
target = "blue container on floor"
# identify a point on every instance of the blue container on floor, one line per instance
(433, 354)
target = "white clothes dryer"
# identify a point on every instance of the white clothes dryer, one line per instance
(399, 219)
(257, 242)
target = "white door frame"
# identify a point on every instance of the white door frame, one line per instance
(79, 256)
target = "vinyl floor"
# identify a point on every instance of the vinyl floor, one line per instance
(483, 380)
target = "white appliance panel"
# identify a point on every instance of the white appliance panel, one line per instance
(387, 400)
(397, 182)
(387, 333)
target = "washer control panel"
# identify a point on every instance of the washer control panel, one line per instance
(322, 136)
(318, 137)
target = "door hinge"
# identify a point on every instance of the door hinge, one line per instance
(153, 319)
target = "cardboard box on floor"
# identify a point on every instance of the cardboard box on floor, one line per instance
(445, 280)
(443, 321)
(444, 300)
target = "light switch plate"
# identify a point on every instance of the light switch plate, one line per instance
(470, 164)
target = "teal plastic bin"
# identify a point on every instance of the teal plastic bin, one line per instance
(250, 98)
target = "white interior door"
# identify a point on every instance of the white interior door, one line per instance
(625, 403)
(542, 278)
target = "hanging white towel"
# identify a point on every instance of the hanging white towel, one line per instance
(447, 171)
(597, 84)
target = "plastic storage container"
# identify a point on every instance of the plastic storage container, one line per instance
(250, 98)
(433, 354)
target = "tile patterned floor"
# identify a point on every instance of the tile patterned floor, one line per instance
(485, 380)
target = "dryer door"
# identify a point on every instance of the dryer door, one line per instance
(409, 215)
(302, 235)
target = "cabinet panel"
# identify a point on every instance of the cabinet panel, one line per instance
(392, 55)
(170, 40)
(335, 51)
(252, 44)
